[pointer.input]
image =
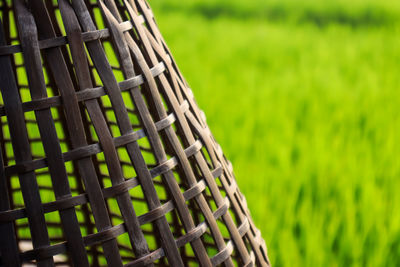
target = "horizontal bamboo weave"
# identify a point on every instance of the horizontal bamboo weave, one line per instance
(106, 159)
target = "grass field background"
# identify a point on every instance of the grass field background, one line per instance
(304, 98)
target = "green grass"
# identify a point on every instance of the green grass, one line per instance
(304, 98)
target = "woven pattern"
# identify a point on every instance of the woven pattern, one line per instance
(105, 157)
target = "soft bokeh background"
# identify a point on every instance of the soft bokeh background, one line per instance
(304, 98)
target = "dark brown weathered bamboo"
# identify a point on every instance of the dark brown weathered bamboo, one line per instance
(105, 157)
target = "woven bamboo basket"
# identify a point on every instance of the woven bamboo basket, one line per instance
(106, 159)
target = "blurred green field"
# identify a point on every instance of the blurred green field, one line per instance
(304, 98)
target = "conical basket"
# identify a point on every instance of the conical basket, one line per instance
(106, 159)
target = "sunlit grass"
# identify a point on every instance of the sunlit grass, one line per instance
(309, 117)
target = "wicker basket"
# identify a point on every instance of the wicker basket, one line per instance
(105, 157)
